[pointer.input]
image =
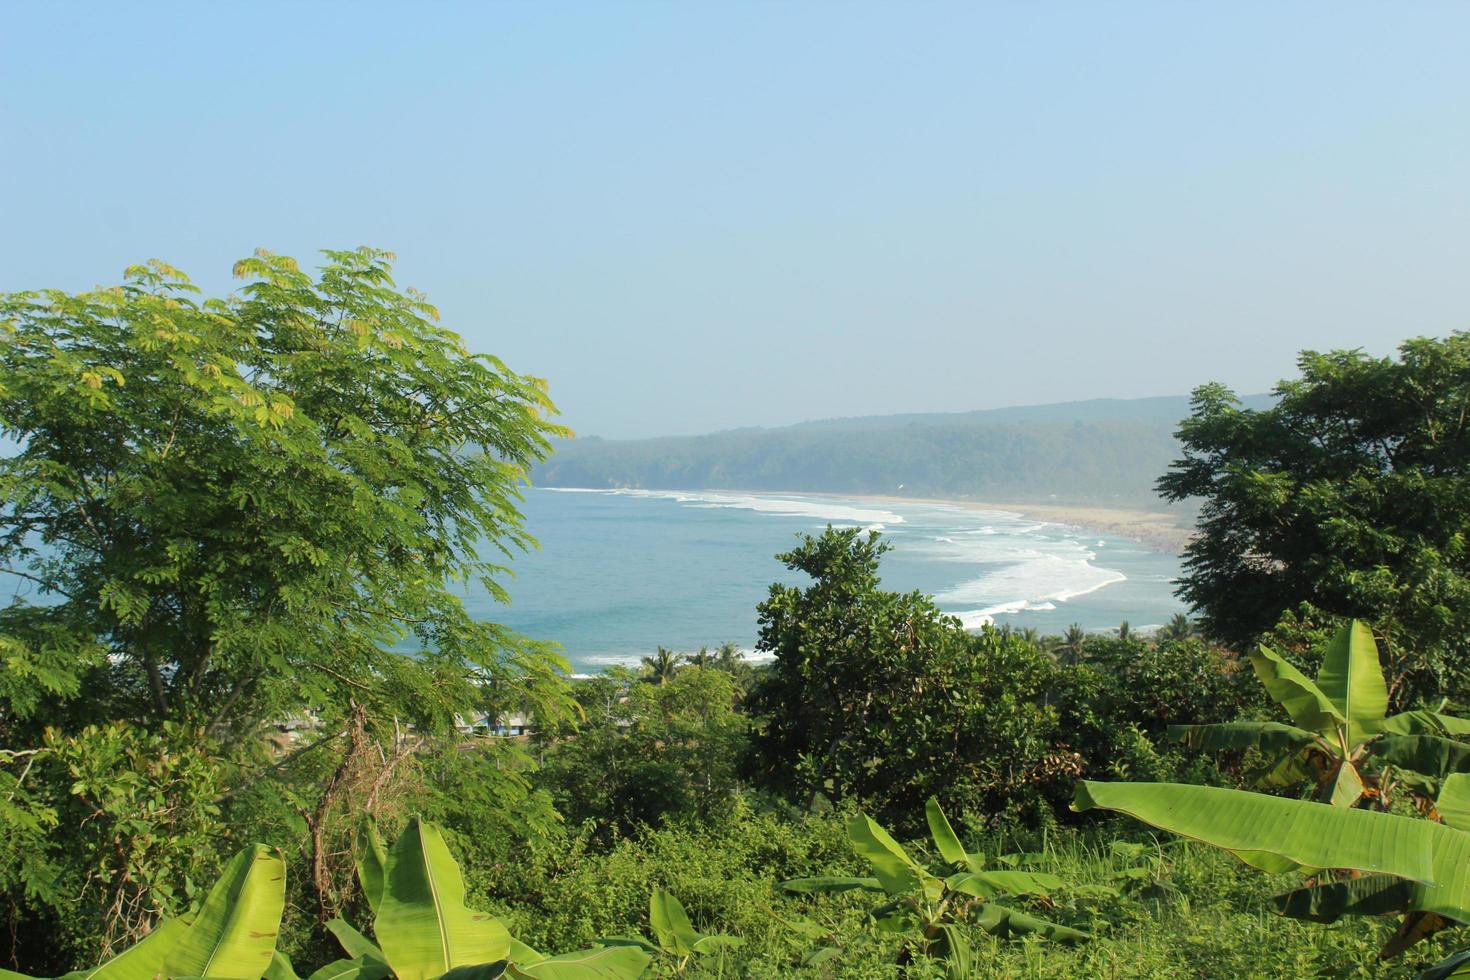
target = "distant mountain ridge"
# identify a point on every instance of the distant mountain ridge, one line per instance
(1105, 451)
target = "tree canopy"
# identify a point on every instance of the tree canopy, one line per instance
(1351, 494)
(241, 506)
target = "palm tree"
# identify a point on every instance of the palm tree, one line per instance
(1181, 627)
(728, 659)
(1125, 632)
(702, 659)
(661, 666)
(1073, 646)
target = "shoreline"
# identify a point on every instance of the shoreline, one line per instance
(1156, 530)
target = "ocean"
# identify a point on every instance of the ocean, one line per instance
(620, 572)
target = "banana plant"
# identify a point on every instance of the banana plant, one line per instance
(425, 931)
(1357, 861)
(676, 936)
(928, 906)
(1337, 722)
(233, 934)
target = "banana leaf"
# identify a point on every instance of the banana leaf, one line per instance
(480, 971)
(362, 968)
(1352, 678)
(1424, 723)
(895, 870)
(354, 943)
(1271, 737)
(1453, 803)
(1005, 922)
(234, 932)
(1331, 900)
(955, 948)
(141, 961)
(1455, 965)
(1428, 755)
(372, 858)
(1346, 786)
(423, 926)
(1307, 834)
(523, 955)
(280, 968)
(813, 885)
(603, 963)
(987, 884)
(1433, 856)
(946, 840)
(670, 924)
(1307, 705)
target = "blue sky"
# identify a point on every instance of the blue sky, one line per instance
(699, 216)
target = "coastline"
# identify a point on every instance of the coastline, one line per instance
(1156, 530)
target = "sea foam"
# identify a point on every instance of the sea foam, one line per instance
(776, 506)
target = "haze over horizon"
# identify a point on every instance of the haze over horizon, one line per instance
(698, 218)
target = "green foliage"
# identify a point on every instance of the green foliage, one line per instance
(261, 502)
(647, 752)
(114, 825)
(245, 525)
(877, 697)
(925, 906)
(1417, 867)
(1349, 494)
(232, 933)
(1340, 723)
(868, 688)
(425, 930)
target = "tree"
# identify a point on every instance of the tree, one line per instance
(1351, 494)
(1176, 630)
(1073, 646)
(259, 503)
(232, 512)
(647, 752)
(661, 667)
(878, 697)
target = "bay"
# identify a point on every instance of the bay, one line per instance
(620, 573)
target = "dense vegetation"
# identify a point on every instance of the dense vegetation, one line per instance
(1349, 496)
(1103, 452)
(240, 669)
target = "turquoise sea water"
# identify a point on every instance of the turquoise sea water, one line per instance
(621, 572)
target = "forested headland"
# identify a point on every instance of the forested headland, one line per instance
(1105, 452)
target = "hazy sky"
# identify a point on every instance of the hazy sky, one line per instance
(698, 216)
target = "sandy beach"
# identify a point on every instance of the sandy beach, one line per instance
(1162, 531)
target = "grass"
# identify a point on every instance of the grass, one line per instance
(1157, 907)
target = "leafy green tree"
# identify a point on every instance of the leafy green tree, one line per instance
(647, 753)
(262, 502)
(878, 697)
(1351, 494)
(232, 513)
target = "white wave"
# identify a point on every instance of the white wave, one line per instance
(635, 660)
(1044, 579)
(775, 506)
(945, 540)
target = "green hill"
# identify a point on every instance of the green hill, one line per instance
(1102, 452)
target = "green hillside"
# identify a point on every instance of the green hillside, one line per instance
(1104, 451)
